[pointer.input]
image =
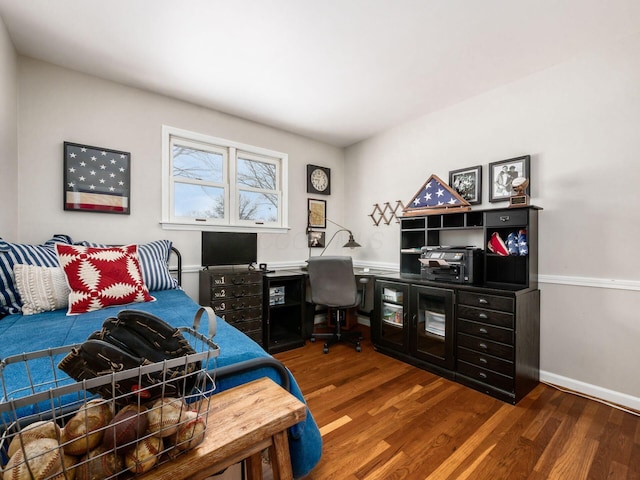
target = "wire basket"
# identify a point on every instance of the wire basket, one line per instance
(52, 426)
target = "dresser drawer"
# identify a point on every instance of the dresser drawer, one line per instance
(489, 377)
(231, 291)
(496, 349)
(500, 319)
(235, 316)
(493, 302)
(482, 330)
(249, 326)
(485, 361)
(507, 218)
(236, 303)
(235, 278)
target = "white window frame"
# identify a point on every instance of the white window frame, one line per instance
(230, 151)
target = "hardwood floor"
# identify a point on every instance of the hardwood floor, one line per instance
(383, 419)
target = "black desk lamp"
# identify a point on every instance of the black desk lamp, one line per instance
(351, 243)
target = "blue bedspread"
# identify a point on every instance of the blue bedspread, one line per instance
(20, 334)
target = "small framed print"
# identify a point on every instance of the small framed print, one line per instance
(96, 179)
(502, 173)
(317, 211)
(316, 239)
(468, 183)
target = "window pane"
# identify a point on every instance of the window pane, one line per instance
(252, 173)
(197, 164)
(198, 201)
(259, 207)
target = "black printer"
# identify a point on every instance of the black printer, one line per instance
(451, 264)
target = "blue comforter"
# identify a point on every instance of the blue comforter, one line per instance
(30, 333)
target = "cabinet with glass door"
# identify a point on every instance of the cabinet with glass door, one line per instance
(392, 300)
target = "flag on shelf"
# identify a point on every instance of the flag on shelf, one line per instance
(435, 196)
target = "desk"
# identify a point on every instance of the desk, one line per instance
(242, 422)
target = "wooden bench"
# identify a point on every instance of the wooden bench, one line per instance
(242, 422)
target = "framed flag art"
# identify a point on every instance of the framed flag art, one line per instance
(96, 179)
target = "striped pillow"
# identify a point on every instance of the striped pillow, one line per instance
(154, 261)
(12, 254)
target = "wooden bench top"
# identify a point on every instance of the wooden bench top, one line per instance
(242, 421)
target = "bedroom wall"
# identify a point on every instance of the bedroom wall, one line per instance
(579, 121)
(8, 136)
(58, 105)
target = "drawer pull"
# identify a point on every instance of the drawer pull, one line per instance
(483, 301)
(483, 360)
(482, 346)
(483, 316)
(504, 218)
(482, 375)
(483, 330)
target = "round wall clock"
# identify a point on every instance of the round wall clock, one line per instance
(318, 180)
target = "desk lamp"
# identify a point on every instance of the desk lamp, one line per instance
(351, 243)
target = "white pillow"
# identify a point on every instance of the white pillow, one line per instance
(41, 288)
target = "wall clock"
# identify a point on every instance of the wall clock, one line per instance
(318, 180)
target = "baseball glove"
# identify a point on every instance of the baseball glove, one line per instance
(132, 339)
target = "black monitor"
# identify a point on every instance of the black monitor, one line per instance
(229, 248)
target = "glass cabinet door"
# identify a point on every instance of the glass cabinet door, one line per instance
(392, 305)
(433, 337)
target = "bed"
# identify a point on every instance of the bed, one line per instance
(240, 359)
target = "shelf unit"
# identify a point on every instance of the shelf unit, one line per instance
(511, 271)
(284, 311)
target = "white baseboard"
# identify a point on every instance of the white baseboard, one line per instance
(595, 391)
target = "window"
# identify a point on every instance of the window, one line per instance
(224, 185)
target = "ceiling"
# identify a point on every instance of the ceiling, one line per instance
(338, 71)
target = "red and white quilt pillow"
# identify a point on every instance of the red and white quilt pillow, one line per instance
(99, 277)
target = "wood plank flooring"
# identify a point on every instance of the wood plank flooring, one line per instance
(383, 419)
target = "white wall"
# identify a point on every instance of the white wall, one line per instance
(580, 121)
(58, 105)
(8, 136)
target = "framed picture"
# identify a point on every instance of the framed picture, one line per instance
(96, 179)
(468, 183)
(502, 173)
(316, 239)
(317, 211)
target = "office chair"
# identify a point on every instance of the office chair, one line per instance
(333, 284)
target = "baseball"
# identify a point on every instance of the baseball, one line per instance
(145, 455)
(164, 416)
(127, 426)
(34, 431)
(99, 464)
(84, 431)
(190, 431)
(44, 459)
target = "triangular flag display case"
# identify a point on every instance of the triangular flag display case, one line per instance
(435, 196)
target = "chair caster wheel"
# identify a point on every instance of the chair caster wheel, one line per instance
(325, 349)
(358, 348)
(313, 339)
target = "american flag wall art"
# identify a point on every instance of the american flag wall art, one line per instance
(96, 179)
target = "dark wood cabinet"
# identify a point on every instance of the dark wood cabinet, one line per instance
(284, 311)
(416, 323)
(493, 341)
(235, 295)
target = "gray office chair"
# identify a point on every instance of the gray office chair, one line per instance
(333, 284)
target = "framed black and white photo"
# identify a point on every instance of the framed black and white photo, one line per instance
(502, 173)
(317, 211)
(316, 239)
(468, 183)
(96, 179)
